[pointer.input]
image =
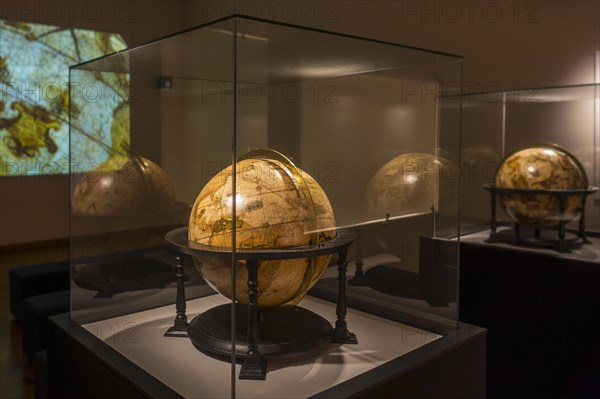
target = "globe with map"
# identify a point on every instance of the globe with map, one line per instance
(412, 183)
(123, 185)
(540, 167)
(277, 206)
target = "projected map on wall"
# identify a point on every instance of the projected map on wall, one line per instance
(34, 99)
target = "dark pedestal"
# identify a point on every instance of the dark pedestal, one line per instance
(542, 313)
(80, 365)
(282, 331)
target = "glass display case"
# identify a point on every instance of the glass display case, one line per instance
(247, 172)
(496, 124)
(547, 292)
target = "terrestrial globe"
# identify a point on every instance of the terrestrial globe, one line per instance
(277, 206)
(412, 183)
(540, 167)
(123, 185)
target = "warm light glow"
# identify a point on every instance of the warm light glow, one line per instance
(239, 200)
(106, 181)
(597, 62)
(240, 35)
(550, 152)
(532, 170)
(411, 179)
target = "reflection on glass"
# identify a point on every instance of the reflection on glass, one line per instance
(410, 183)
(123, 185)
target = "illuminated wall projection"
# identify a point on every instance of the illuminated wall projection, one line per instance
(34, 99)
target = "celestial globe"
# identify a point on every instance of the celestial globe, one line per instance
(123, 185)
(277, 206)
(411, 183)
(540, 167)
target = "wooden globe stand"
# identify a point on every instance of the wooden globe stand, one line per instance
(206, 330)
(561, 243)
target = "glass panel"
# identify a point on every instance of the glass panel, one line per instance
(337, 135)
(482, 150)
(497, 124)
(564, 116)
(159, 134)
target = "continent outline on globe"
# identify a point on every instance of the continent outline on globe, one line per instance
(277, 205)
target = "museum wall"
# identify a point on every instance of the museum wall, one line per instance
(506, 45)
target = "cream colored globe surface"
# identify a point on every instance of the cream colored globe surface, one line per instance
(277, 206)
(123, 185)
(411, 183)
(540, 167)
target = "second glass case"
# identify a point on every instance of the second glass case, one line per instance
(496, 124)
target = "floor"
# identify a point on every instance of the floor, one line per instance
(16, 372)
